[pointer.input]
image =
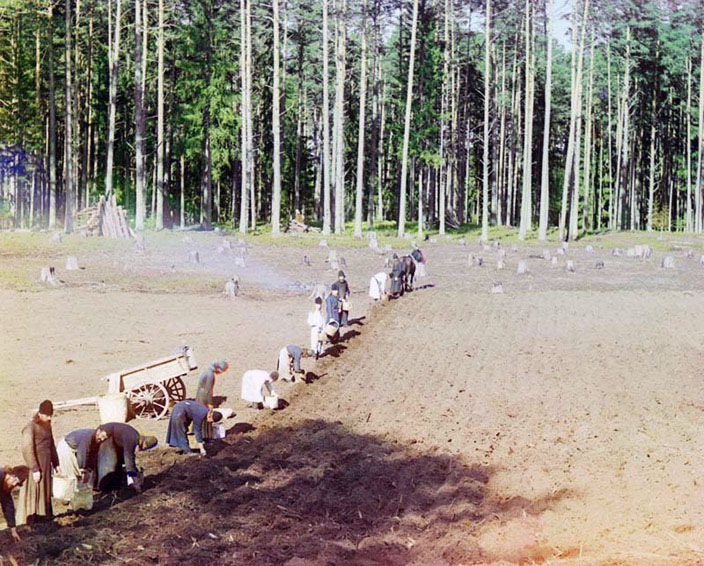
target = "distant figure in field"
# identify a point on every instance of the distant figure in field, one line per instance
(344, 298)
(182, 415)
(377, 285)
(316, 323)
(206, 382)
(332, 304)
(289, 363)
(39, 452)
(257, 383)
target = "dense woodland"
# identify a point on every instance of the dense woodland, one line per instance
(443, 113)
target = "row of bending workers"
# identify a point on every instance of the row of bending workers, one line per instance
(106, 454)
(110, 448)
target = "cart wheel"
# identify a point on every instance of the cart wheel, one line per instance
(150, 400)
(176, 389)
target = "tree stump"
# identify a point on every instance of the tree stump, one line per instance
(553, 261)
(232, 287)
(547, 255)
(71, 263)
(522, 267)
(599, 264)
(570, 266)
(497, 288)
(323, 243)
(48, 275)
(194, 256)
(668, 262)
(500, 264)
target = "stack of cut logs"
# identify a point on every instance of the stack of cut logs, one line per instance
(104, 219)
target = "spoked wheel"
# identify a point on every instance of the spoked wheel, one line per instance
(150, 400)
(176, 389)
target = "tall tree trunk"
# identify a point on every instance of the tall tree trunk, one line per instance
(340, 63)
(299, 130)
(698, 199)
(276, 126)
(569, 161)
(359, 193)
(68, 141)
(160, 142)
(586, 210)
(244, 197)
(487, 90)
(444, 117)
(139, 121)
(52, 121)
(326, 123)
(625, 164)
(407, 126)
(526, 193)
(113, 65)
(545, 172)
(651, 172)
(688, 115)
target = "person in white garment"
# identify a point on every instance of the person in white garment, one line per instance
(256, 384)
(377, 285)
(289, 363)
(316, 321)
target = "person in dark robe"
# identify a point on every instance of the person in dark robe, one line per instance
(10, 478)
(206, 383)
(116, 456)
(39, 453)
(78, 450)
(343, 297)
(332, 304)
(397, 281)
(183, 414)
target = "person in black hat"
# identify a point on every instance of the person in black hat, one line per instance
(332, 304)
(344, 298)
(39, 452)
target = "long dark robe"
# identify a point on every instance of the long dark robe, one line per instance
(39, 452)
(182, 415)
(116, 453)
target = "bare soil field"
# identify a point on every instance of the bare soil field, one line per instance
(558, 421)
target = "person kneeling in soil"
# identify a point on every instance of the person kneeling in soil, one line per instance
(78, 451)
(118, 451)
(10, 478)
(256, 384)
(289, 363)
(182, 415)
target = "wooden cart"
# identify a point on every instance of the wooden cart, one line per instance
(153, 386)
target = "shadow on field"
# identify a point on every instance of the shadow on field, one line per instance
(312, 491)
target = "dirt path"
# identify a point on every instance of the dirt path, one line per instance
(558, 421)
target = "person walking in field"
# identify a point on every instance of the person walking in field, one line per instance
(39, 453)
(257, 384)
(10, 478)
(182, 415)
(344, 297)
(289, 363)
(316, 323)
(206, 382)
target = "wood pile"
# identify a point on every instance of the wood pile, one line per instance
(105, 218)
(295, 225)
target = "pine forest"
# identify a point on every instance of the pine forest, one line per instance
(557, 118)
